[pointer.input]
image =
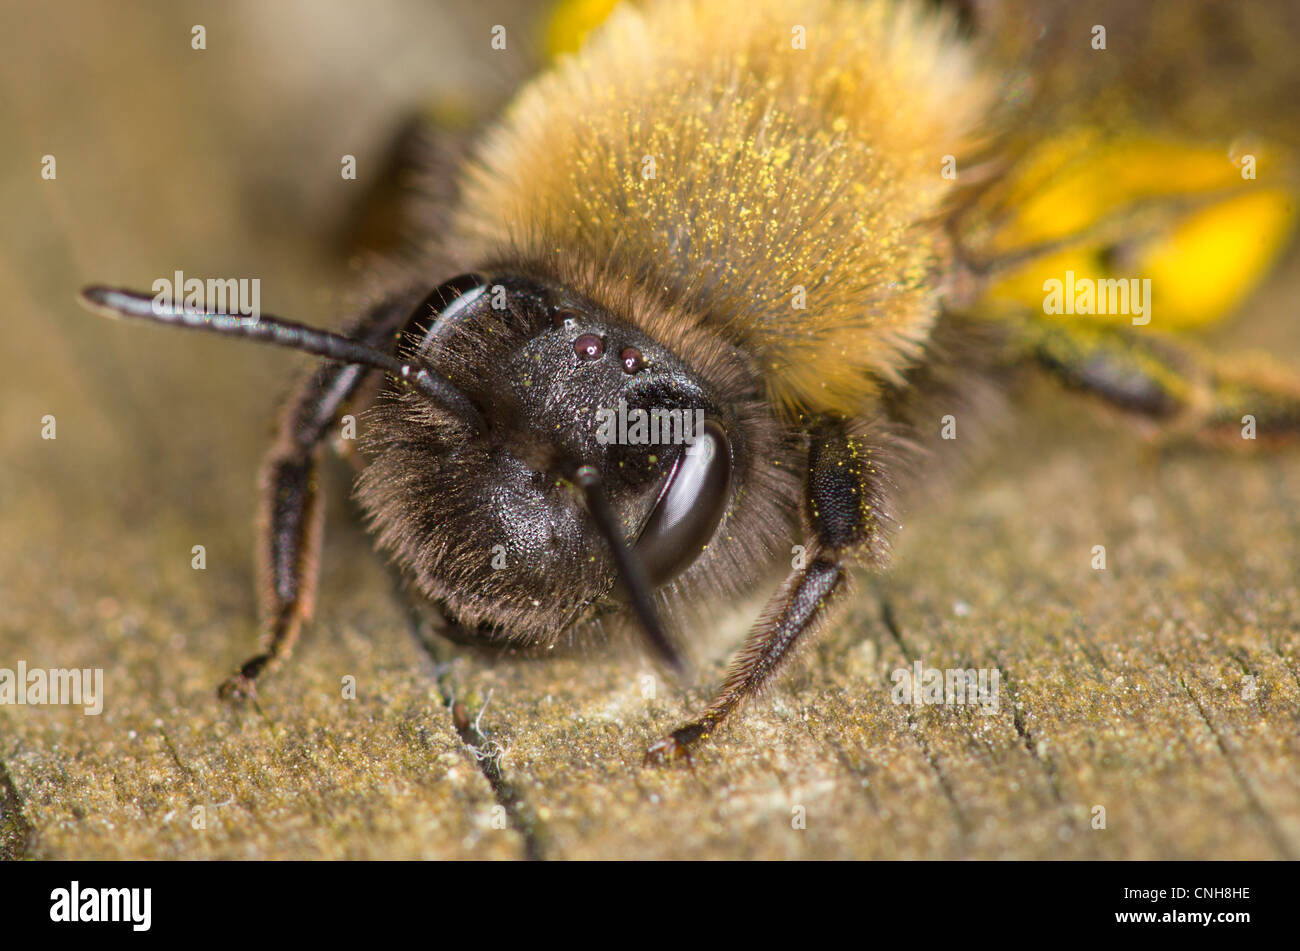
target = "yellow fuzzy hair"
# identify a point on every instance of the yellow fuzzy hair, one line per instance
(774, 168)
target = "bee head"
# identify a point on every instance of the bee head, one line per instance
(599, 463)
(541, 459)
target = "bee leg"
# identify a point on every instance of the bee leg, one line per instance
(1240, 398)
(291, 519)
(1192, 395)
(846, 495)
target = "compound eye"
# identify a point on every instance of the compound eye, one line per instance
(691, 503)
(448, 299)
(446, 305)
(451, 292)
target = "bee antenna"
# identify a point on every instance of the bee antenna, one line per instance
(630, 571)
(118, 302)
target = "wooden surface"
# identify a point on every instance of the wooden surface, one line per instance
(1126, 688)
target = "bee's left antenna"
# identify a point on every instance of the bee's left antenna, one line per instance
(117, 302)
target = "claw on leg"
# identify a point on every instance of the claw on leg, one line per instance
(676, 745)
(242, 685)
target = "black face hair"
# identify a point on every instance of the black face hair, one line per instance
(434, 388)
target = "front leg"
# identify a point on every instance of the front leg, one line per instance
(291, 522)
(848, 510)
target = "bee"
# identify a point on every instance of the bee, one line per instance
(806, 227)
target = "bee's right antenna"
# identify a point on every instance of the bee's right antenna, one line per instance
(115, 302)
(630, 571)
